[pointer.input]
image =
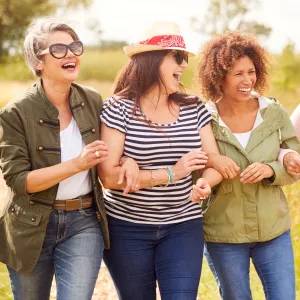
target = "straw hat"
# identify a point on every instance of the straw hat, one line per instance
(161, 36)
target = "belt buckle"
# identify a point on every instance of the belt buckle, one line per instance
(71, 205)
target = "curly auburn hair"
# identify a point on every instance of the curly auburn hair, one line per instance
(219, 55)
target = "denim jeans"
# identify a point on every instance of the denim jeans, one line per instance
(142, 254)
(72, 250)
(273, 261)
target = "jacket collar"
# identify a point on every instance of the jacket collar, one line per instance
(76, 102)
(269, 121)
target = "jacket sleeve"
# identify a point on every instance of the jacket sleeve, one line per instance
(289, 140)
(14, 155)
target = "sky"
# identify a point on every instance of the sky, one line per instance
(127, 20)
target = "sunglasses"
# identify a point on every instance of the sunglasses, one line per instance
(60, 50)
(180, 56)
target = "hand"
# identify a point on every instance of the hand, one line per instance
(291, 162)
(200, 191)
(189, 162)
(131, 173)
(256, 172)
(223, 164)
(91, 155)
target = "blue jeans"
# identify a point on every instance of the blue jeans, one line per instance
(72, 250)
(273, 261)
(140, 254)
(211, 267)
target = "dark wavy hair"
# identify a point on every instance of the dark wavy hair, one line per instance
(219, 55)
(141, 74)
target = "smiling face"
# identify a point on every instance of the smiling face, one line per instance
(170, 72)
(64, 69)
(239, 80)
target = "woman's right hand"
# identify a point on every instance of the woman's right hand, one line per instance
(91, 155)
(225, 165)
(130, 172)
(189, 162)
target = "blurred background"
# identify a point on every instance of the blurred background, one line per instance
(106, 26)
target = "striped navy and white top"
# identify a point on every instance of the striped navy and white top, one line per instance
(154, 147)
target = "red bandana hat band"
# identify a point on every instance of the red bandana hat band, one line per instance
(165, 41)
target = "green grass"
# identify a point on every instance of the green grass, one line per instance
(5, 291)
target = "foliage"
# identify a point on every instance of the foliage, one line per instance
(15, 16)
(113, 45)
(287, 77)
(229, 15)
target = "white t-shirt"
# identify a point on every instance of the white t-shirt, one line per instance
(243, 138)
(71, 144)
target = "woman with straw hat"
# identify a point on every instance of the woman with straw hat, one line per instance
(156, 233)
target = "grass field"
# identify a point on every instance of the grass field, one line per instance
(208, 289)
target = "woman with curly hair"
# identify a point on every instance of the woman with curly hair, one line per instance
(248, 216)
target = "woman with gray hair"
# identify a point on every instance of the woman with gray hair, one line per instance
(55, 221)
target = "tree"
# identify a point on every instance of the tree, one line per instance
(287, 76)
(16, 15)
(229, 15)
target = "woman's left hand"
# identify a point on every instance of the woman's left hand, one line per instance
(256, 172)
(131, 173)
(200, 191)
(291, 162)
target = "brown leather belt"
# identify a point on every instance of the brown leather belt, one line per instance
(84, 201)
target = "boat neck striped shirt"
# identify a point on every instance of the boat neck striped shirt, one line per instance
(154, 147)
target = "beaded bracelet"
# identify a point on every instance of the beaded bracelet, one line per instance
(171, 175)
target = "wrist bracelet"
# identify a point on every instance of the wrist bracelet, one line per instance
(169, 179)
(121, 162)
(171, 175)
(151, 179)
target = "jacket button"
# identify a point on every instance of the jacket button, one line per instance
(41, 121)
(93, 130)
(41, 148)
(13, 209)
(82, 104)
(33, 219)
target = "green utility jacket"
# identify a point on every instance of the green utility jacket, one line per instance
(30, 140)
(243, 213)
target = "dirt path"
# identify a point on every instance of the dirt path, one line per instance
(104, 289)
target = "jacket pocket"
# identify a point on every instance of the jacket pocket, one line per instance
(27, 217)
(224, 189)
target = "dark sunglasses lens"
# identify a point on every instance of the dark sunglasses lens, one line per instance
(58, 50)
(77, 48)
(180, 56)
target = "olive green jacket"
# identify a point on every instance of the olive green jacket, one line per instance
(30, 140)
(243, 213)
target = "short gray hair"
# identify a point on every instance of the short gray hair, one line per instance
(36, 37)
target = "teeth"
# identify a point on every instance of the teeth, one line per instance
(69, 64)
(245, 90)
(178, 73)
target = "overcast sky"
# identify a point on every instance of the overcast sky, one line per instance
(126, 19)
